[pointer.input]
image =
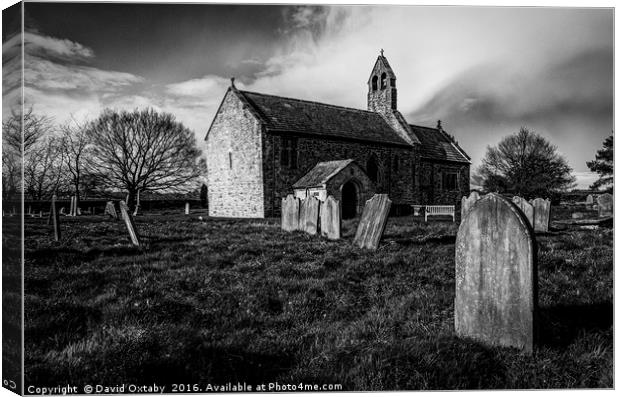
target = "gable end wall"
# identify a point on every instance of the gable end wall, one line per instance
(235, 191)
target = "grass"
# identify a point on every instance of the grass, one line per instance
(241, 301)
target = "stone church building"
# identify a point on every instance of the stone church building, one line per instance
(262, 147)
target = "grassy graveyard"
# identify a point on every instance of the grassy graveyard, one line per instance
(242, 301)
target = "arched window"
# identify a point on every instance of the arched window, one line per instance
(372, 169)
(374, 83)
(383, 80)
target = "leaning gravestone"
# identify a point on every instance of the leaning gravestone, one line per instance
(526, 207)
(372, 223)
(110, 210)
(330, 218)
(605, 205)
(541, 214)
(467, 202)
(495, 300)
(290, 213)
(131, 226)
(309, 215)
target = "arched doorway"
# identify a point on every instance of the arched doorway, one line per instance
(349, 200)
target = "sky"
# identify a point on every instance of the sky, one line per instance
(483, 71)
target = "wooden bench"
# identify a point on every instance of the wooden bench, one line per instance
(438, 210)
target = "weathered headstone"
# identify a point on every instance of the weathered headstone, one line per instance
(71, 206)
(372, 223)
(495, 298)
(110, 210)
(290, 213)
(131, 227)
(467, 202)
(605, 205)
(525, 207)
(589, 200)
(55, 218)
(330, 218)
(62, 211)
(187, 208)
(309, 215)
(542, 208)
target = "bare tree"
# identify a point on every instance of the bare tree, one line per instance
(76, 145)
(143, 151)
(44, 168)
(20, 135)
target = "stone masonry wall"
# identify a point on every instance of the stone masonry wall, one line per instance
(312, 150)
(235, 139)
(431, 190)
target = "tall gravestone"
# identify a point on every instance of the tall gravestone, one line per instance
(525, 207)
(605, 205)
(589, 200)
(496, 280)
(542, 209)
(290, 213)
(309, 215)
(373, 221)
(467, 202)
(330, 218)
(55, 219)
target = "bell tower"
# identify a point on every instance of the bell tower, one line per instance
(382, 87)
(382, 99)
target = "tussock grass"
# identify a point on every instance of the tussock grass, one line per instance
(226, 300)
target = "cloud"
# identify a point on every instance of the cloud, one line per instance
(56, 79)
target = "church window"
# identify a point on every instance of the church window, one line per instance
(288, 153)
(395, 164)
(372, 169)
(383, 80)
(449, 181)
(374, 83)
(392, 82)
(230, 160)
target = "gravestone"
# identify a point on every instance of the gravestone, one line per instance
(131, 227)
(110, 210)
(309, 215)
(372, 222)
(495, 298)
(467, 202)
(605, 205)
(589, 200)
(62, 210)
(55, 219)
(526, 207)
(542, 208)
(186, 208)
(290, 213)
(330, 218)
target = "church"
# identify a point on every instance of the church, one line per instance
(263, 147)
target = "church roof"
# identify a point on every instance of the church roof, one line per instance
(437, 145)
(321, 173)
(281, 114)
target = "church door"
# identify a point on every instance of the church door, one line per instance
(349, 200)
